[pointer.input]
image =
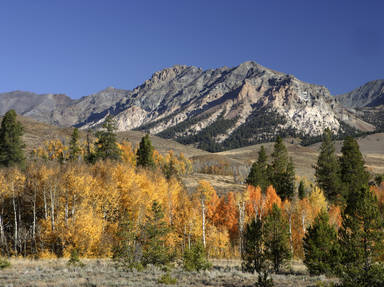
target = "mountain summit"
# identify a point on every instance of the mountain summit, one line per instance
(214, 109)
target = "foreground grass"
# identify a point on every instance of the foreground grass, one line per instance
(102, 272)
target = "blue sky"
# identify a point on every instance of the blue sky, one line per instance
(80, 47)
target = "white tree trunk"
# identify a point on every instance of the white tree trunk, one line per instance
(203, 215)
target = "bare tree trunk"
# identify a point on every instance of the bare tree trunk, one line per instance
(34, 219)
(15, 218)
(241, 206)
(203, 214)
(52, 192)
(45, 205)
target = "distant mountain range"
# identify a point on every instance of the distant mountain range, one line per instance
(214, 109)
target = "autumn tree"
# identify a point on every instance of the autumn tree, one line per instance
(321, 247)
(352, 171)
(106, 145)
(276, 234)
(361, 240)
(281, 171)
(74, 146)
(327, 168)
(11, 144)
(258, 174)
(145, 153)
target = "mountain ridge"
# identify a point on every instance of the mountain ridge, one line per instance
(211, 109)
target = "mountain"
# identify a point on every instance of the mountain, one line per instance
(39, 107)
(370, 94)
(367, 103)
(213, 109)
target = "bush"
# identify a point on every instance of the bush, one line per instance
(74, 260)
(4, 263)
(167, 279)
(264, 280)
(195, 259)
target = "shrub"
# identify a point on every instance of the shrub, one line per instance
(4, 263)
(74, 260)
(195, 259)
(167, 279)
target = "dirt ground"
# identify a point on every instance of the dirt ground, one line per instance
(39, 273)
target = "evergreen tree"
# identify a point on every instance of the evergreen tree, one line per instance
(361, 240)
(352, 171)
(106, 145)
(301, 190)
(145, 153)
(322, 252)
(126, 252)
(276, 238)
(74, 146)
(281, 171)
(11, 144)
(155, 231)
(253, 255)
(327, 168)
(195, 259)
(258, 174)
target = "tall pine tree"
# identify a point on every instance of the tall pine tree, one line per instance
(322, 252)
(281, 171)
(11, 144)
(352, 171)
(276, 236)
(361, 240)
(106, 145)
(327, 169)
(74, 146)
(258, 174)
(145, 153)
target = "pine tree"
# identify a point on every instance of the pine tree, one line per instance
(281, 171)
(301, 190)
(327, 168)
(106, 144)
(361, 240)
(74, 146)
(155, 231)
(11, 144)
(276, 238)
(322, 252)
(258, 174)
(253, 255)
(352, 171)
(145, 153)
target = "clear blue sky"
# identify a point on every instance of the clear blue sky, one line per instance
(79, 47)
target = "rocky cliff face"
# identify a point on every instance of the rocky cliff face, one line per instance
(369, 95)
(225, 107)
(367, 102)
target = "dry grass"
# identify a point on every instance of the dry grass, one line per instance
(99, 273)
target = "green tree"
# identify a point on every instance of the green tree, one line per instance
(281, 171)
(126, 251)
(106, 145)
(11, 144)
(276, 238)
(302, 190)
(327, 168)
(74, 146)
(195, 259)
(258, 175)
(361, 239)
(322, 251)
(253, 256)
(145, 153)
(153, 238)
(352, 171)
